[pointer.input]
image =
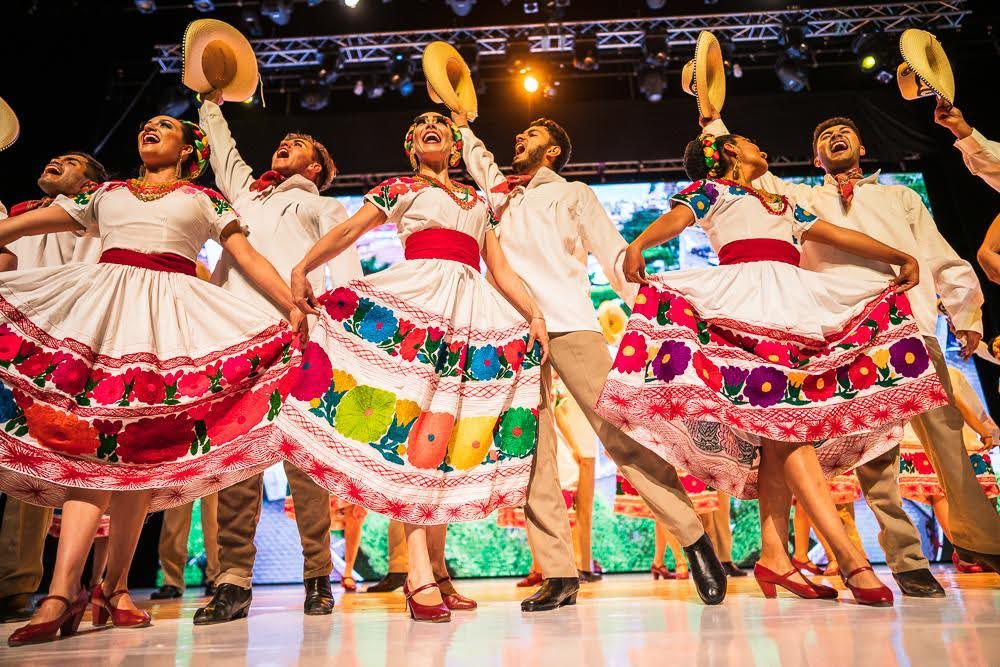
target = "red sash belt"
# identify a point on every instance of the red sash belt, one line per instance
(758, 250)
(436, 243)
(156, 261)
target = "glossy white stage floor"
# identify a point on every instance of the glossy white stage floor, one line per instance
(624, 620)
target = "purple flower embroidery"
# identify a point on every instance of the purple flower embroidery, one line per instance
(765, 386)
(671, 360)
(909, 357)
(710, 191)
(733, 377)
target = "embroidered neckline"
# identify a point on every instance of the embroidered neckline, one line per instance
(147, 193)
(772, 203)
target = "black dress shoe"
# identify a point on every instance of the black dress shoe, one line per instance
(209, 589)
(588, 577)
(229, 603)
(166, 592)
(987, 561)
(389, 583)
(15, 608)
(319, 596)
(732, 570)
(554, 592)
(706, 570)
(919, 584)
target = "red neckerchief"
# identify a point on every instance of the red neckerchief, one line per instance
(512, 182)
(266, 180)
(30, 205)
(845, 184)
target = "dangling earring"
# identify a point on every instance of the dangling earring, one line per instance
(180, 170)
(142, 172)
(736, 170)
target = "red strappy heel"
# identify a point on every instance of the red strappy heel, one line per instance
(808, 566)
(963, 567)
(66, 625)
(455, 601)
(102, 609)
(659, 571)
(872, 597)
(428, 613)
(767, 580)
(533, 579)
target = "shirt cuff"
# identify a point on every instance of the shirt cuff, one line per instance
(969, 322)
(972, 143)
(716, 127)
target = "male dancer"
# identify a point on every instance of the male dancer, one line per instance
(981, 155)
(895, 215)
(549, 226)
(286, 215)
(173, 547)
(23, 527)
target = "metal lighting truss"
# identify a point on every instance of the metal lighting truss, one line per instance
(612, 34)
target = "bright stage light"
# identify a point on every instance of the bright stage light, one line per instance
(530, 84)
(351, 3)
(868, 62)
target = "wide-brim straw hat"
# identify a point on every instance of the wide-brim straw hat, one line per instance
(704, 76)
(925, 69)
(449, 79)
(9, 127)
(217, 56)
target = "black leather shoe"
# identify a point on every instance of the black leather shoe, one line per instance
(319, 596)
(166, 592)
(15, 608)
(732, 570)
(919, 584)
(587, 577)
(389, 583)
(706, 570)
(988, 561)
(229, 603)
(554, 592)
(209, 589)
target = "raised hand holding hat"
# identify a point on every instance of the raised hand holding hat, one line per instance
(925, 69)
(449, 79)
(704, 76)
(219, 59)
(9, 127)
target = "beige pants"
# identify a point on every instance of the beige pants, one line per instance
(174, 540)
(581, 358)
(239, 512)
(22, 540)
(975, 523)
(718, 529)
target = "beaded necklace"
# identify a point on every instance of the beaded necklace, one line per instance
(774, 204)
(151, 192)
(466, 203)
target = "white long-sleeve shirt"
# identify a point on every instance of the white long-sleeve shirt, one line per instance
(982, 157)
(896, 216)
(547, 229)
(284, 220)
(53, 249)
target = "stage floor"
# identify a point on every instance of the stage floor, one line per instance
(623, 620)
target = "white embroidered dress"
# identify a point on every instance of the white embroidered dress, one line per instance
(118, 377)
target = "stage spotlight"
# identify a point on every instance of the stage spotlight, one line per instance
(652, 83)
(330, 64)
(656, 50)
(530, 7)
(251, 21)
(145, 6)
(551, 89)
(279, 11)
(518, 55)
(314, 96)
(359, 87)
(874, 56)
(792, 74)
(530, 83)
(351, 3)
(375, 88)
(400, 73)
(656, 4)
(175, 101)
(793, 39)
(461, 7)
(314, 3)
(585, 55)
(204, 5)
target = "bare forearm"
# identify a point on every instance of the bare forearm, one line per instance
(855, 243)
(40, 221)
(510, 285)
(668, 226)
(8, 260)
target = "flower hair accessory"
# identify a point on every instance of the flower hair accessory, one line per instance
(201, 152)
(710, 150)
(456, 147)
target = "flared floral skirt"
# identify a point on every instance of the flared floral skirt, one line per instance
(918, 481)
(628, 502)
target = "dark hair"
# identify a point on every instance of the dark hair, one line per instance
(92, 169)
(559, 138)
(830, 122)
(189, 137)
(694, 157)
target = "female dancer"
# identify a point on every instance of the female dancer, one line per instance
(132, 385)
(844, 491)
(430, 416)
(775, 370)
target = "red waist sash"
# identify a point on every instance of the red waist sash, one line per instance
(436, 243)
(156, 261)
(758, 250)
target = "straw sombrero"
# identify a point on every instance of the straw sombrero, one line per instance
(9, 127)
(925, 69)
(449, 80)
(218, 57)
(704, 76)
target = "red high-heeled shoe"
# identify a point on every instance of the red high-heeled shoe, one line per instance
(808, 566)
(428, 613)
(963, 567)
(767, 580)
(533, 579)
(66, 625)
(456, 601)
(661, 571)
(102, 609)
(349, 587)
(872, 597)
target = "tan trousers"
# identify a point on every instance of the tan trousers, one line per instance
(174, 540)
(975, 523)
(399, 560)
(22, 540)
(239, 512)
(582, 360)
(718, 529)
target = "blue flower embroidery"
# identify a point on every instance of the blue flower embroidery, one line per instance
(737, 190)
(8, 408)
(802, 215)
(485, 363)
(379, 325)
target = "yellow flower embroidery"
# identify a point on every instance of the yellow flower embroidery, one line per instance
(343, 381)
